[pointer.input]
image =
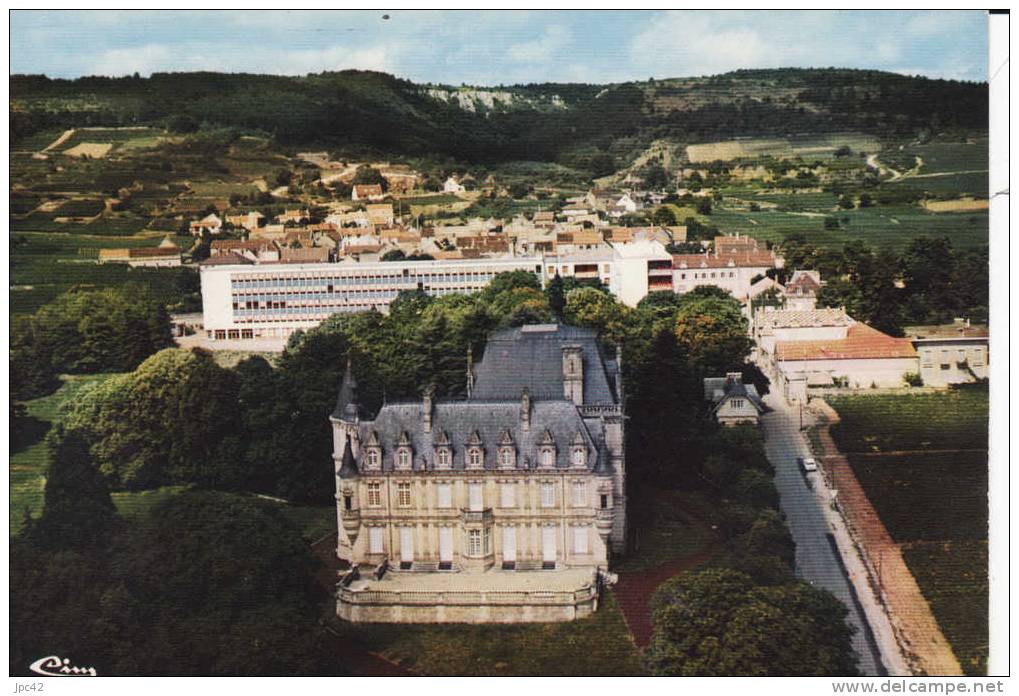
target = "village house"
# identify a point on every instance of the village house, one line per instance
(733, 401)
(366, 192)
(954, 353)
(380, 213)
(453, 185)
(802, 289)
(211, 223)
(733, 266)
(261, 250)
(502, 507)
(165, 255)
(251, 220)
(293, 216)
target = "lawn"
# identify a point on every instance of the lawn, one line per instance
(28, 456)
(599, 645)
(931, 493)
(676, 530)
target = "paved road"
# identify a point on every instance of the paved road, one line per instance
(817, 561)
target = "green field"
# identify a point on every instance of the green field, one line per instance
(599, 645)
(953, 577)
(922, 459)
(955, 419)
(888, 227)
(45, 265)
(121, 138)
(29, 458)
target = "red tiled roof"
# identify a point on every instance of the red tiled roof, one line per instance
(228, 259)
(861, 342)
(742, 259)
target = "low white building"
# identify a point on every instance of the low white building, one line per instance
(802, 289)
(951, 353)
(453, 185)
(861, 357)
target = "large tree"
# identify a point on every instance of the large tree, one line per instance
(713, 332)
(719, 622)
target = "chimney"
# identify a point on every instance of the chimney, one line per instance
(525, 410)
(573, 374)
(426, 409)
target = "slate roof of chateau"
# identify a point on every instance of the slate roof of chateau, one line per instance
(531, 357)
(491, 420)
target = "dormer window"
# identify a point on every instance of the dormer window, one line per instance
(579, 457)
(475, 458)
(547, 457)
(403, 458)
(374, 457)
(443, 458)
(507, 457)
(404, 453)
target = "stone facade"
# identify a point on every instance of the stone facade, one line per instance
(525, 474)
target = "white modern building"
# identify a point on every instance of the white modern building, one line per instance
(247, 300)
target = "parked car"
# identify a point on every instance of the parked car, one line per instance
(806, 464)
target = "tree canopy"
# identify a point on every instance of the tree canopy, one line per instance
(719, 622)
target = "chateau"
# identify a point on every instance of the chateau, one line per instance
(504, 506)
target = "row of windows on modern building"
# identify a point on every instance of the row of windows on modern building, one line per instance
(507, 498)
(331, 284)
(477, 543)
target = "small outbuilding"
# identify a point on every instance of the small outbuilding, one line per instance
(734, 402)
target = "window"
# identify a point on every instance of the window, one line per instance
(509, 548)
(508, 495)
(506, 457)
(474, 458)
(373, 458)
(473, 542)
(579, 456)
(348, 502)
(374, 494)
(406, 547)
(604, 501)
(403, 494)
(547, 495)
(375, 540)
(579, 494)
(403, 459)
(580, 540)
(445, 548)
(737, 403)
(445, 495)
(474, 497)
(444, 458)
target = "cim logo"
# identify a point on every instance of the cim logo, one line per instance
(54, 666)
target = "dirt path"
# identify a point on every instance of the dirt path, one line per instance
(59, 141)
(634, 590)
(913, 623)
(872, 161)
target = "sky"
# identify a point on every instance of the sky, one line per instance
(498, 47)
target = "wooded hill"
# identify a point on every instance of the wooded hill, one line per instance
(375, 112)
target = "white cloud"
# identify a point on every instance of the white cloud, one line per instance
(124, 61)
(677, 44)
(233, 58)
(543, 49)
